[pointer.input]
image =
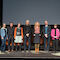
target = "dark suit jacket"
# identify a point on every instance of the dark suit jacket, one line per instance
(10, 31)
(27, 29)
(48, 31)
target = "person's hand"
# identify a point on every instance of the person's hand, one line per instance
(27, 35)
(7, 38)
(2, 38)
(46, 35)
(22, 37)
(34, 34)
(55, 36)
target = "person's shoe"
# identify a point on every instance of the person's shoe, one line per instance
(12, 50)
(16, 49)
(8, 50)
(25, 51)
(19, 49)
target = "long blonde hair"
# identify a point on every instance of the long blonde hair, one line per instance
(37, 24)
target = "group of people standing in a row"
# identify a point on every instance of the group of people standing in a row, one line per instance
(17, 34)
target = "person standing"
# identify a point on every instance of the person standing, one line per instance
(37, 36)
(55, 37)
(4, 37)
(11, 36)
(18, 36)
(27, 35)
(0, 37)
(46, 32)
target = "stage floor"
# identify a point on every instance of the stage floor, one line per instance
(31, 54)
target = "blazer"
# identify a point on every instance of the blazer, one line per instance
(27, 29)
(48, 31)
(16, 31)
(53, 33)
(3, 32)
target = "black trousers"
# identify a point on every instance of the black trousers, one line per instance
(11, 40)
(55, 44)
(19, 46)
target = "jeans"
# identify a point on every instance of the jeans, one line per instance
(25, 39)
(3, 45)
(11, 40)
(48, 43)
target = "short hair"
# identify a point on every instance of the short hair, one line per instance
(27, 20)
(55, 24)
(46, 20)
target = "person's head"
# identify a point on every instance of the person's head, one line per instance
(4, 25)
(46, 22)
(27, 22)
(55, 26)
(37, 24)
(18, 25)
(11, 24)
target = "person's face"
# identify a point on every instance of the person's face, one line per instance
(4, 25)
(27, 22)
(55, 26)
(19, 25)
(11, 24)
(46, 22)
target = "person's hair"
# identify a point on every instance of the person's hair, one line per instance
(55, 25)
(37, 24)
(19, 23)
(11, 22)
(27, 20)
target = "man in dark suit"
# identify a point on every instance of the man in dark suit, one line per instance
(11, 36)
(46, 34)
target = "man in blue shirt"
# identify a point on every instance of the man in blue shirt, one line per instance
(4, 37)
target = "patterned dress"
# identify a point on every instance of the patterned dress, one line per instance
(18, 38)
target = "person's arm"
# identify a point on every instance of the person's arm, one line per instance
(30, 31)
(7, 34)
(58, 33)
(49, 31)
(15, 32)
(22, 32)
(2, 34)
(52, 34)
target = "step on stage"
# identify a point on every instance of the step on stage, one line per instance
(31, 54)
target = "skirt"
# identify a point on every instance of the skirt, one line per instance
(36, 39)
(18, 39)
